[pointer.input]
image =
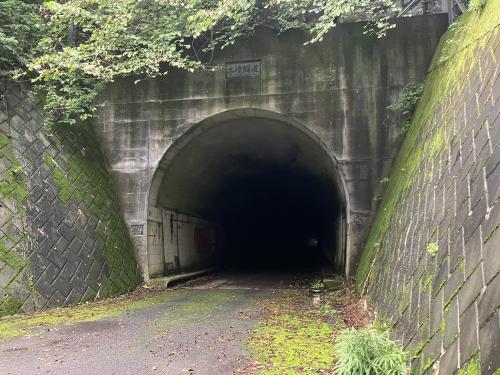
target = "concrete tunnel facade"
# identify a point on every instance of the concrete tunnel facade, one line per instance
(205, 162)
(250, 189)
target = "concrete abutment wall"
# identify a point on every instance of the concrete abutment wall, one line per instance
(338, 90)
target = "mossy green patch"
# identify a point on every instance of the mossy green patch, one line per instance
(13, 180)
(19, 325)
(426, 365)
(488, 237)
(287, 343)
(417, 350)
(426, 282)
(11, 257)
(452, 296)
(11, 189)
(202, 305)
(443, 326)
(404, 297)
(66, 188)
(284, 339)
(13, 244)
(455, 58)
(382, 325)
(471, 368)
(432, 249)
(10, 305)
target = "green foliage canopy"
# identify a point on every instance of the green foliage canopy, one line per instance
(70, 49)
(19, 29)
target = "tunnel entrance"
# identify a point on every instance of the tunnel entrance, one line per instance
(250, 192)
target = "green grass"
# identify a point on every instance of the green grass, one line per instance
(368, 351)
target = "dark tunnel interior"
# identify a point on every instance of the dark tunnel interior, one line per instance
(276, 219)
(270, 188)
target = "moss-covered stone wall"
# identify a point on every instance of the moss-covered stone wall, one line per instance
(62, 236)
(15, 281)
(432, 258)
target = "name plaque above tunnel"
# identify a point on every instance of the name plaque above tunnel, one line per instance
(243, 69)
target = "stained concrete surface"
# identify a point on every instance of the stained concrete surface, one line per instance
(202, 330)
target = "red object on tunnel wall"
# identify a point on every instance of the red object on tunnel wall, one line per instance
(201, 239)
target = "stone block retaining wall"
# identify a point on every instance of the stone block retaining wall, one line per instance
(432, 259)
(62, 236)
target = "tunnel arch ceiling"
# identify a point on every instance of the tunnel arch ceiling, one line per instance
(247, 187)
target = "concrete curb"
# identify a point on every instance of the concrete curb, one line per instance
(166, 281)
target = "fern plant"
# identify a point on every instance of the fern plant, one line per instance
(368, 352)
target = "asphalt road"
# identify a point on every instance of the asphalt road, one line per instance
(201, 330)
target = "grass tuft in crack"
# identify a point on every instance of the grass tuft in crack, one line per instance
(368, 351)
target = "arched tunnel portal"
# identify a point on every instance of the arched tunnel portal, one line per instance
(250, 191)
